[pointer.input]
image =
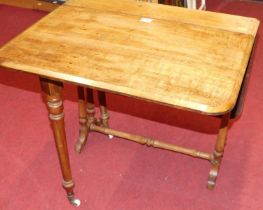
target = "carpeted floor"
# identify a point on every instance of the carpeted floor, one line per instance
(117, 174)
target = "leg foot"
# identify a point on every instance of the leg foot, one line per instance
(74, 201)
(216, 161)
(83, 134)
(212, 177)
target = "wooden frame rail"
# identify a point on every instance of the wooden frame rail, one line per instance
(151, 142)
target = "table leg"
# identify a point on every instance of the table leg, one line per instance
(104, 115)
(52, 91)
(89, 114)
(83, 129)
(219, 151)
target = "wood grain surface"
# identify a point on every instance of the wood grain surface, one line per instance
(192, 60)
(31, 4)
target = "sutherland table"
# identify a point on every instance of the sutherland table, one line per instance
(191, 60)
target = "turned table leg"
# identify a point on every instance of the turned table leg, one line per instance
(219, 151)
(104, 116)
(52, 91)
(83, 129)
(86, 116)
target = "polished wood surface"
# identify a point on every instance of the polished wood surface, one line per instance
(43, 5)
(191, 60)
(31, 4)
(220, 21)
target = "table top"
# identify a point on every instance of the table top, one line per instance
(193, 60)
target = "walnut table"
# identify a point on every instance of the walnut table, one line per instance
(190, 60)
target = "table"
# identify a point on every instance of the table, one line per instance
(190, 60)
